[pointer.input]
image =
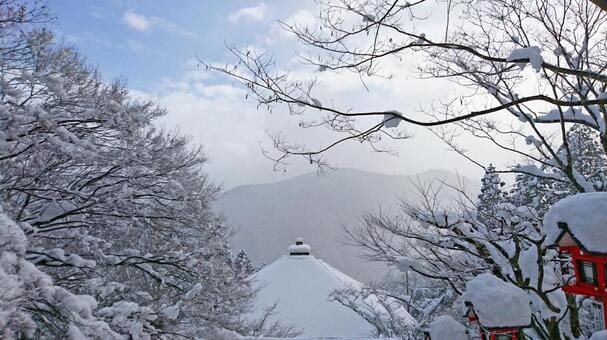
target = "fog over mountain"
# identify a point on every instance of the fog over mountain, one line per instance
(268, 217)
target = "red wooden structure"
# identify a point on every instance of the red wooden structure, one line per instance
(589, 273)
(487, 333)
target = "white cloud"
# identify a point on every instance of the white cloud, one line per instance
(144, 23)
(255, 13)
(137, 21)
(215, 112)
(303, 18)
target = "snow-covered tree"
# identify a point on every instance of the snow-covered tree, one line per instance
(588, 159)
(424, 298)
(529, 190)
(491, 195)
(500, 233)
(31, 304)
(243, 264)
(453, 245)
(386, 313)
(115, 212)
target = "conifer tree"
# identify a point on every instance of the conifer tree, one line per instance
(242, 263)
(585, 154)
(490, 197)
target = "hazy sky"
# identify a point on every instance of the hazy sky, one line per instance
(154, 46)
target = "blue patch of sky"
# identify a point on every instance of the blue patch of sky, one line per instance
(177, 31)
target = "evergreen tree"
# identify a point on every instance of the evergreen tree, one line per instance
(587, 157)
(584, 154)
(532, 191)
(242, 263)
(490, 197)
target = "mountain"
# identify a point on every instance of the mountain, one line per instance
(268, 217)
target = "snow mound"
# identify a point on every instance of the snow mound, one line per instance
(446, 327)
(498, 303)
(586, 218)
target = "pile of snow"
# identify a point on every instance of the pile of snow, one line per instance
(301, 285)
(533, 54)
(498, 303)
(586, 218)
(446, 327)
(600, 335)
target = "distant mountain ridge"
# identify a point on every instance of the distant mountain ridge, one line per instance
(268, 217)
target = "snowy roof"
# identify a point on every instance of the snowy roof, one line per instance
(498, 303)
(446, 327)
(583, 217)
(301, 286)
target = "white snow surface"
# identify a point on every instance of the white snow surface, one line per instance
(301, 285)
(446, 327)
(498, 303)
(600, 335)
(171, 312)
(586, 218)
(533, 53)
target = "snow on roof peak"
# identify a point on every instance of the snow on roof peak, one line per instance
(498, 303)
(584, 217)
(299, 248)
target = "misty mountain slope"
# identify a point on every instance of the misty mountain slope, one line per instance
(268, 217)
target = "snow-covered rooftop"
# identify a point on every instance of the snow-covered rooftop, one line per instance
(497, 303)
(446, 327)
(584, 217)
(301, 285)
